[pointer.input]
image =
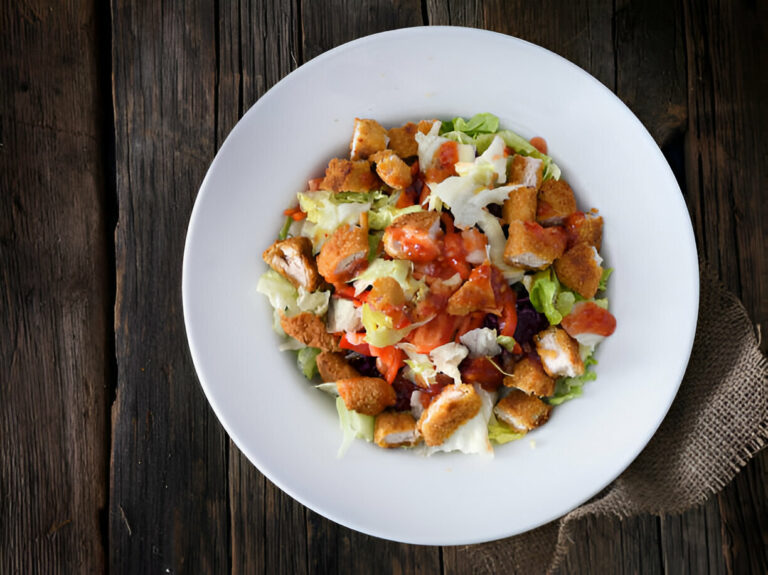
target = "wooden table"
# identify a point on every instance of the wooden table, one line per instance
(111, 457)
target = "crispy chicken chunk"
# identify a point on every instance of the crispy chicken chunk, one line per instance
(333, 366)
(475, 294)
(392, 170)
(455, 405)
(532, 247)
(368, 138)
(344, 254)
(349, 176)
(521, 205)
(309, 329)
(292, 258)
(559, 353)
(366, 395)
(413, 237)
(526, 171)
(584, 228)
(529, 376)
(579, 269)
(395, 429)
(521, 411)
(556, 201)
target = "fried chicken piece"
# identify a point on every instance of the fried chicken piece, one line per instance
(344, 254)
(366, 395)
(521, 411)
(475, 294)
(521, 205)
(392, 170)
(395, 429)
(584, 228)
(368, 138)
(559, 353)
(579, 269)
(413, 237)
(533, 247)
(333, 366)
(556, 201)
(309, 329)
(529, 376)
(526, 171)
(349, 176)
(455, 405)
(292, 258)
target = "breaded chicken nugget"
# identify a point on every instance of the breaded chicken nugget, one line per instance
(455, 405)
(521, 411)
(579, 269)
(556, 201)
(402, 141)
(366, 395)
(526, 171)
(559, 353)
(529, 376)
(309, 329)
(533, 247)
(521, 205)
(344, 254)
(387, 293)
(395, 429)
(368, 138)
(392, 170)
(333, 366)
(475, 294)
(292, 258)
(348, 176)
(584, 228)
(413, 237)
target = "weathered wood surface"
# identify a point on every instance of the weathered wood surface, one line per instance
(162, 488)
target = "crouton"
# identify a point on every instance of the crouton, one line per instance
(529, 376)
(559, 353)
(584, 228)
(292, 258)
(526, 171)
(521, 205)
(413, 237)
(309, 329)
(344, 254)
(533, 247)
(521, 411)
(366, 395)
(402, 141)
(579, 269)
(348, 176)
(368, 138)
(392, 170)
(333, 366)
(395, 429)
(556, 201)
(455, 405)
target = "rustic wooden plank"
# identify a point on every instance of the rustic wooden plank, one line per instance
(727, 170)
(168, 500)
(55, 300)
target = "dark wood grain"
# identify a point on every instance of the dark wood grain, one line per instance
(55, 295)
(168, 482)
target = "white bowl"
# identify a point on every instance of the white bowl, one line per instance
(290, 431)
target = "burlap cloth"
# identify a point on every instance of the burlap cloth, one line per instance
(718, 421)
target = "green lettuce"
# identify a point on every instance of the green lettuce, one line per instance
(379, 330)
(567, 388)
(400, 270)
(483, 123)
(305, 359)
(354, 425)
(507, 342)
(286, 226)
(500, 432)
(603, 285)
(548, 296)
(281, 293)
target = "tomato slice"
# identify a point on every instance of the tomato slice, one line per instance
(390, 360)
(355, 342)
(437, 332)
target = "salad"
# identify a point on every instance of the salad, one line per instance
(442, 284)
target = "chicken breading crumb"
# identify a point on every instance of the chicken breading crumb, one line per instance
(395, 429)
(392, 170)
(344, 254)
(309, 329)
(533, 247)
(521, 205)
(366, 395)
(292, 258)
(368, 138)
(579, 269)
(529, 376)
(559, 353)
(556, 201)
(455, 405)
(349, 176)
(521, 411)
(333, 366)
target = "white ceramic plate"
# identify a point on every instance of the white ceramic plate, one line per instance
(290, 431)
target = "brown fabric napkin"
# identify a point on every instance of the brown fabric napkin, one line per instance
(718, 421)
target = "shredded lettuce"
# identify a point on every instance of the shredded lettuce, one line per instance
(481, 342)
(343, 316)
(544, 289)
(306, 361)
(314, 302)
(354, 425)
(330, 388)
(500, 433)
(400, 270)
(281, 293)
(379, 330)
(507, 342)
(567, 388)
(325, 214)
(472, 436)
(603, 285)
(286, 226)
(483, 123)
(564, 302)
(447, 358)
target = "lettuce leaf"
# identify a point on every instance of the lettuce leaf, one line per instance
(281, 293)
(324, 214)
(500, 433)
(400, 270)
(603, 285)
(354, 425)
(483, 123)
(379, 330)
(306, 361)
(507, 342)
(544, 289)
